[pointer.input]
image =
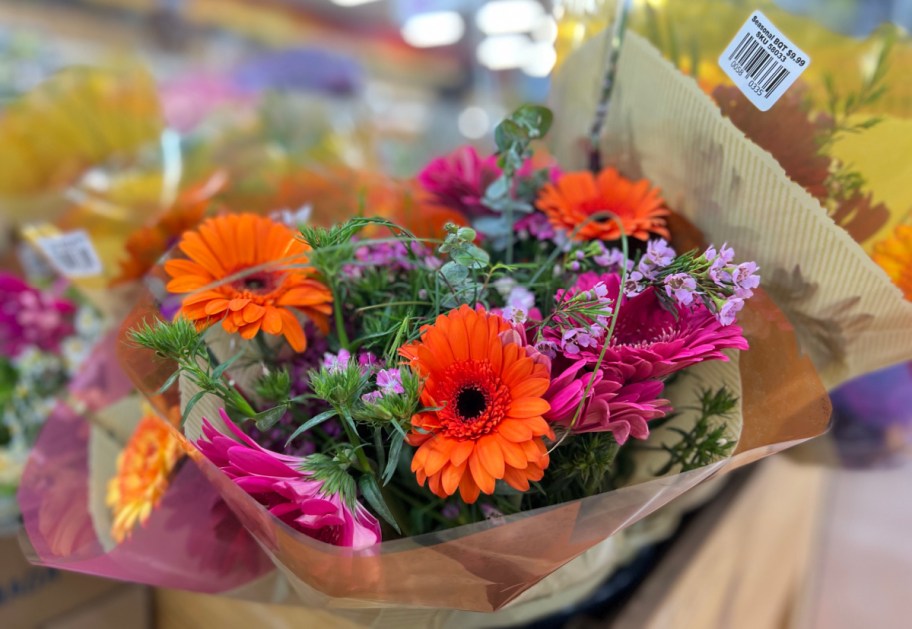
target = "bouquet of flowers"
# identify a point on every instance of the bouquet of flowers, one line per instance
(413, 422)
(44, 340)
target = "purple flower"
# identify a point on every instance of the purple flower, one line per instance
(372, 398)
(745, 279)
(536, 225)
(612, 405)
(681, 286)
(718, 270)
(390, 381)
(450, 511)
(635, 284)
(658, 255)
(336, 362)
(280, 483)
(729, 310)
(30, 317)
(649, 341)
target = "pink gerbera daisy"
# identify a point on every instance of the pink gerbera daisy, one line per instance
(280, 483)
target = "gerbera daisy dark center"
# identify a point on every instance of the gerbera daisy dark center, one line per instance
(256, 283)
(471, 402)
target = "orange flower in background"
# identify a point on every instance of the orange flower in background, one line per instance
(578, 195)
(258, 298)
(490, 425)
(894, 255)
(147, 245)
(143, 471)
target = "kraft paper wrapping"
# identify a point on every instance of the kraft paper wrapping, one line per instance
(847, 315)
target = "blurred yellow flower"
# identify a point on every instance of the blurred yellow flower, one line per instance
(894, 255)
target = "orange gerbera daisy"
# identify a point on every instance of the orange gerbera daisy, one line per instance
(894, 255)
(260, 299)
(579, 195)
(143, 471)
(489, 426)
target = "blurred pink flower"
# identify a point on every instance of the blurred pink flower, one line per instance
(458, 181)
(279, 482)
(623, 409)
(29, 316)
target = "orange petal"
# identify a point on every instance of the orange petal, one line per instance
(468, 489)
(450, 478)
(488, 450)
(216, 306)
(436, 457)
(484, 480)
(528, 407)
(293, 331)
(513, 454)
(253, 312)
(302, 297)
(461, 451)
(272, 321)
(516, 479)
(188, 283)
(530, 387)
(249, 331)
(514, 430)
(237, 304)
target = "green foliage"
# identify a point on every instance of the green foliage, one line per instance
(706, 441)
(340, 387)
(333, 472)
(178, 340)
(581, 467)
(275, 386)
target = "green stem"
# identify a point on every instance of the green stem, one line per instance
(355, 440)
(340, 322)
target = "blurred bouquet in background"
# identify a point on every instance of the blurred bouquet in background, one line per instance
(44, 340)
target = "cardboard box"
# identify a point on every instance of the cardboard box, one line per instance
(40, 597)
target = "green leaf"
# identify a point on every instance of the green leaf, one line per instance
(454, 273)
(220, 370)
(507, 133)
(472, 257)
(193, 401)
(391, 464)
(371, 492)
(270, 417)
(310, 423)
(535, 118)
(169, 382)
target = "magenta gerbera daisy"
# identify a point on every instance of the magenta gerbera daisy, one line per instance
(280, 483)
(649, 342)
(623, 409)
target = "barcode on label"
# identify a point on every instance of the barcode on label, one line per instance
(758, 64)
(72, 254)
(762, 61)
